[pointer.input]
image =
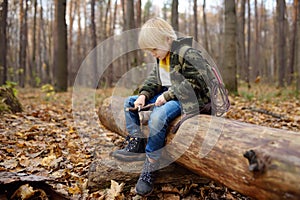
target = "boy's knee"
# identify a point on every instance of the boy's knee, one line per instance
(156, 121)
(129, 102)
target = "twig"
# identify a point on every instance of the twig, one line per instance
(263, 111)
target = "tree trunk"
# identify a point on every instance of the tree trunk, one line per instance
(60, 58)
(297, 59)
(205, 28)
(291, 70)
(3, 41)
(32, 66)
(72, 11)
(94, 44)
(241, 42)
(248, 71)
(195, 7)
(138, 14)
(23, 42)
(256, 62)
(174, 15)
(229, 70)
(217, 147)
(281, 42)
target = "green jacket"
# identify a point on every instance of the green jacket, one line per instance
(188, 80)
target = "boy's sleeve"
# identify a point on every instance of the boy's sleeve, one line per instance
(189, 78)
(150, 86)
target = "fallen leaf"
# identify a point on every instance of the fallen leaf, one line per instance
(115, 190)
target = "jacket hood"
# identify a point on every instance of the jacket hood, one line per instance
(180, 42)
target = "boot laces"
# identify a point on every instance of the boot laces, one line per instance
(132, 143)
(147, 174)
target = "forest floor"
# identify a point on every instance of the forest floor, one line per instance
(44, 141)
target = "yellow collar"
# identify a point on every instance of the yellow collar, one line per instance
(165, 63)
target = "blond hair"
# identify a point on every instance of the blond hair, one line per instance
(154, 34)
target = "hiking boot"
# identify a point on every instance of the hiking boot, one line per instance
(145, 186)
(134, 151)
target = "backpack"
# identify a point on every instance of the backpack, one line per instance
(218, 93)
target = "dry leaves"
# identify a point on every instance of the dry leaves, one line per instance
(44, 141)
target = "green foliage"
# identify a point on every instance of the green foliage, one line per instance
(12, 85)
(37, 81)
(49, 90)
(3, 107)
(247, 95)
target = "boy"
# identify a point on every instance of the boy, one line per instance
(173, 86)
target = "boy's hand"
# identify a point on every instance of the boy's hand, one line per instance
(140, 101)
(160, 101)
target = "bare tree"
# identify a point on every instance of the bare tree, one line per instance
(229, 70)
(3, 41)
(195, 20)
(60, 57)
(94, 38)
(138, 13)
(106, 24)
(291, 71)
(281, 42)
(205, 27)
(256, 63)
(72, 11)
(248, 45)
(297, 48)
(23, 42)
(174, 16)
(241, 41)
(32, 65)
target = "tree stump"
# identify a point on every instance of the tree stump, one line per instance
(8, 101)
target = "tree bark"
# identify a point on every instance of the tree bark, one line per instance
(104, 169)
(291, 70)
(23, 42)
(241, 41)
(60, 58)
(174, 17)
(217, 148)
(195, 8)
(3, 41)
(15, 185)
(32, 66)
(248, 71)
(206, 46)
(281, 42)
(256, 63)
(9, 103)
(297, 56)
(229, 71)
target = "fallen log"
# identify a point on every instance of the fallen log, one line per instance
(15, 185)
(257, 161)
(105, 168)
(103, 171)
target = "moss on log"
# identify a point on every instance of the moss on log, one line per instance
(9, 103)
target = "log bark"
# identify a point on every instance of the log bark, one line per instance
(15, 185)
(105, 168)
(102, 171)
(218, 148)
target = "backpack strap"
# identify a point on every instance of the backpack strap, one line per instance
(182, 52)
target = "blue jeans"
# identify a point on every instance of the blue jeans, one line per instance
(160, 118)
